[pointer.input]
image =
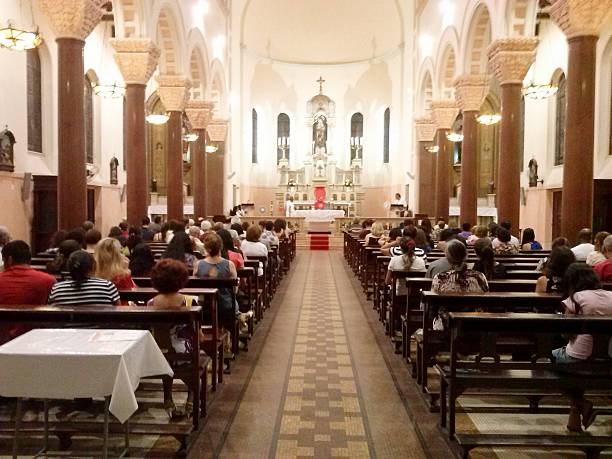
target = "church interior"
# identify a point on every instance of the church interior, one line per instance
(289, 228)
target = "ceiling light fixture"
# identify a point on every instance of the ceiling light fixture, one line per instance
(433, 149)
(17, 39)
(455, 137)
(191, 137)
(109, 90)
(488, 119)
(211, 149)
(157, 118)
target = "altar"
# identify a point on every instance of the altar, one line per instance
(319, 220)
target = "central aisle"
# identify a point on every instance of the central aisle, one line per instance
(320, 387)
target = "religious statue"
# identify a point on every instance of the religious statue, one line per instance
(491, 187)
(320, 134)
(114, 164)
(7, 140)
(533, 172)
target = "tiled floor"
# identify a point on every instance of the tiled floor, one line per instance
(320, 387)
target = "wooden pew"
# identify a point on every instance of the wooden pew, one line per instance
(483, 333)
(431, 342)
(122, 317)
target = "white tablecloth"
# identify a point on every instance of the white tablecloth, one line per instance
(69, 363)
(319, 215)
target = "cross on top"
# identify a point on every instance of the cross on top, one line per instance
(320, 81)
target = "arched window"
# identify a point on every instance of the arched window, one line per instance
(34, 101)
(356, 135)
(283, 132)
(88, 113)
(560, 122)
(254, 137)
(386, 136)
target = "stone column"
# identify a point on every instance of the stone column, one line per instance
(425, 132)
(173, 91)
(136, 59)
(199, 113)
(470, 92)
(581, 21)
(443, 113)
(510, 59)
(71, 21)
(217, 133)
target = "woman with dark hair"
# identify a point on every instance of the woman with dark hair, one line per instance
(426, 226)
(181, 248)
(597, 256)
(529, 243)
(82, 288)
(142, 260)
(59, 263)
(228, 251)
(459, 278)
(558, 242)
(420, 241)
(163, 233)
(280, 228)
(486, 263)
(407, 261)
(504, 245)
(395, 235)
(584, 297)
(560, 258)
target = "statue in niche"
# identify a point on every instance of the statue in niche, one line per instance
(533, 172)
(153, 185)
(320, 134)
(491, 187)
(114, 164)
(7, 140)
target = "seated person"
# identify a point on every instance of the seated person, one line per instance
(445, 235)
(552, 280)
(486, 263)
(20, 284)
(112, 265)
(585, 297)
(421, 242)
(584, 247)
(181, 248)
(142, 260)
(92, 237)
(408, 261)
(82, 288)
(168, 277)
(508, 227)
(604, 268)
(375, 234)
(480, 232)
(58, 264)
(466, 230)
(504, 245)
(597, 255)
(529, 243)
(558, 242)
(229, 251)
(458, 278)
(395, 235)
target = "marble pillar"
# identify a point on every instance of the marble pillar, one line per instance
(199, 113)
(581, 21)
(71, 22)
(443, 113)
(173, 92)
(137, 59)
(470, 92)
(425, 132)
(510, 59)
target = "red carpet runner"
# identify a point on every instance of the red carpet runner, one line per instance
(319, 241)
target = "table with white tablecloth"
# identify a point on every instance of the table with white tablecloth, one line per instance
(319, 215)
(75, 363)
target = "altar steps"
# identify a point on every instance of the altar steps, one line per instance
(314, 241)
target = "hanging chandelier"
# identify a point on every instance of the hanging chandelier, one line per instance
(433, 149)
(488, 119)
(191, 137)
(539, 91)
(109, 90)
(455, 137)
(17, 39)
(157, 118)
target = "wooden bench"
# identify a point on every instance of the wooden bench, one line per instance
(483, 333)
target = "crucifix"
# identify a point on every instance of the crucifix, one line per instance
(320, 81)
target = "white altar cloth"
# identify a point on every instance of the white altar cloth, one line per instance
(319, 215)
(70, 363)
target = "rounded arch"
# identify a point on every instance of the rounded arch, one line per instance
(197, 74)
(477, 40)
(169, 35)
(425, 94)
(218, 89)
(447, 69)
(520, 18)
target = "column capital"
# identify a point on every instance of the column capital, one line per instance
(136, 58)
(72, 18)
(425, 129)
(471, 90)
(443, 113)
(199, 113)
(511, 58)
(580, 17)
(217, 130)
(173, 91)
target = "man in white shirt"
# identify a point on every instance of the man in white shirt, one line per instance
(398, 201)
(289, 207)
(584, 247)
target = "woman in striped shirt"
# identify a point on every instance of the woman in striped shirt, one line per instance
(82, 288)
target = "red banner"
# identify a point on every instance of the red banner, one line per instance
(319, 195)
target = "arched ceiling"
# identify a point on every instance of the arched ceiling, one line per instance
(320, 31)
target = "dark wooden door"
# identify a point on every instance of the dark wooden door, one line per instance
(557, 215)
(602, 206)
(44, 219)
(91, 205)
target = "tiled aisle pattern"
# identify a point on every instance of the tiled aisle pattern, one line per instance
(320, 387)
